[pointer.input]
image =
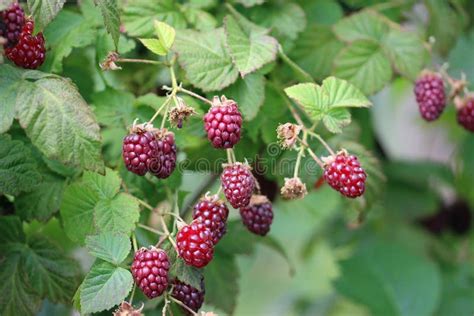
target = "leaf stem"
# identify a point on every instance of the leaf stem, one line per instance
(194, 95)
(151, 229)
(183, 305)
(141, 61)
(297, 69)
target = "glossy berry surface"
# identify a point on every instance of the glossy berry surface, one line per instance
(138, 151)
(29, 51)
(188, 295)
(150, 271)
(163, 161)
(223, 123)
(195, 245)
(345, 175)
(213, 214)
(12, 20)
(238, 184)
(465, 114)
(430, 95)
(258, 215)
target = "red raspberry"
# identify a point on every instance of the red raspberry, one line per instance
(466, 114)
(238, 184)
(213, 214)
(344, 174)
(13, 19)
(195, 245)
(150, 271)
(29, 52)
(188, 295)
(223, 123)
(163, 161)
(430, 95)
(258, 215)
(138, 149)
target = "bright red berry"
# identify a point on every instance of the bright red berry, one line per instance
(344, 174)
(258, 215)
(213, 214)
(29, 51)
(13, 19)
(466, 114)
(238, 184)
(188, 295)
(195, 245)
(150, 271)
(223, 123)
(163, 160)
(430, 95)
(138, 150)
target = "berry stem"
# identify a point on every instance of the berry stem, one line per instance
(321, 140)
(165, 307)
(130, 300)
(142, 61)
(183, 305)
(134, 242)
(229, 155)
(313, 155)
(159, 110)
(194, 95)
(165, 228)
(300, 155)
(297, 69)
(151, 229)
(145, 204)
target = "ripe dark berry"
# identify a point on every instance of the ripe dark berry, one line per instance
(163, 160)
(13, 19)
(195, 245)
(213, 214)
(29, 51)
(238, 184)
(150, 271)
(344, 174)
(258, 215)
(466, 114)
(430, 95)
(188, 295)
(223, 123)
(138, 150)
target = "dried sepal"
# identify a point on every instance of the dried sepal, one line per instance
(293, 189)
(288, 134)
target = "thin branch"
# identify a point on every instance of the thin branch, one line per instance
(141, 61)
(194, 95)
(184, 306)
(322, 141)
(151, 229)
(159, 110)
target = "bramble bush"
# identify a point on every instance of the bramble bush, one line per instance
(147, 146)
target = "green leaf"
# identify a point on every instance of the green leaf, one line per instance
(322, 102)
(111, 15)
(77, 211)
(44, 11)
(18, 169)
(46, 196)
(201, 20)
(118, 215)
(18, 297)
(165, 34)
(139, 16)
(457, 297)
(9, 83)
(55, 117)
(51, 274)
(249, 3)
(249, 93)
(316, 49)
(364, 64)
(154, 46)
(205, 60)
(67, 31)
(277, 246)
(366, 25)
(221, 277)
(390, 280)
(104, 186)
(12, 231)
(187, 274)
(249, 44)
(108, 246)
(104, 287)
(237, 240)
(406, 51)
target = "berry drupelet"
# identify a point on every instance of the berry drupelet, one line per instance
(223, 123)
(238, 184)
(188, 295)
(465, 113)
(213, 213)
(29, 51)
(195, 246)
(430, 95)
(12, 20)
(258, 215)
(150, 271)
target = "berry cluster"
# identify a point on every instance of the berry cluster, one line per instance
(22, 47)
(431, 98)
(147, 149)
